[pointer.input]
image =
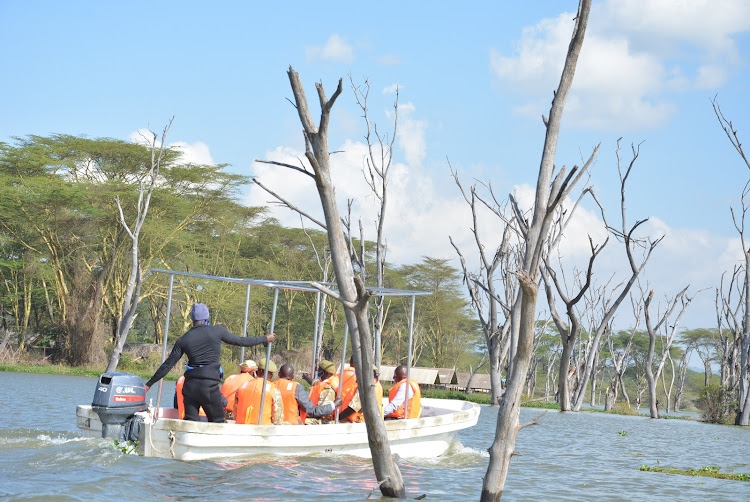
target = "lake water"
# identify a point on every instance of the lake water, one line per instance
(569, 456)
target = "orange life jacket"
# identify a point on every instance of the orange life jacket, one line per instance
(358, 416)
(315, 391)
(231, 385)
(288, 389)
(247, 402)
(415, 404)
(181, 400)
(348, 387)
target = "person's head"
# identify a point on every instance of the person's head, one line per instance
(399, 373)
(326, 369)
(248, 366)
(375, 371)
(199, 314)
(262, 368)
(286, 371)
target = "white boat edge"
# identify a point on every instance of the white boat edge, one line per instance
(168, 437)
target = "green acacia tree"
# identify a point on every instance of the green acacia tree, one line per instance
(59, 206)
(446, 330)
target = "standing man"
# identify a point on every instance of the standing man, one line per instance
(202, 344)
(295, 398)
(395, 406)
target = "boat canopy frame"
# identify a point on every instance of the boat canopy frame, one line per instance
(276, 286)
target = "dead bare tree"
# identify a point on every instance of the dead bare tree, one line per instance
(146, 185)
(351, 290)
(681, 376)
(489, 303)
(666, 329)
(743, 391)
(630, 242)
(729, 326)
(377, 168)
(569, 332)
(620, 358)
(551, 190)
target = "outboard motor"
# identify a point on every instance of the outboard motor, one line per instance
(117, 398)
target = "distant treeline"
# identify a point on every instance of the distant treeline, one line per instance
(64, 258)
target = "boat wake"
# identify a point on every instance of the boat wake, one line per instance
(457, 455)
(34, 438)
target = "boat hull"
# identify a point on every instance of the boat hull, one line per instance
(169, 437)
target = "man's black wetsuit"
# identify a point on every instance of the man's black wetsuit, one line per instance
(202, 387)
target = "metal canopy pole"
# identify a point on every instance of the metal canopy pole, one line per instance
(268, 356)
(341, 371)
(244, 324)
(408, 363)
(164, 343)
(315, 336)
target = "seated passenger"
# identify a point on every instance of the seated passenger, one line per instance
(353, 411)
(395, 406)
(323, 392)
(248, 398)
(295, 398)
(233, 382)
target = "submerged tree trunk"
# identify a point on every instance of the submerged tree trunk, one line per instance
(549, 196)
(353, 296)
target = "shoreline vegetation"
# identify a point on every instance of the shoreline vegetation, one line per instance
(58, 369)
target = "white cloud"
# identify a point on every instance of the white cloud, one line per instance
(636, 54)
(192, 153)
(411, 135)
(418, 218)
(389, 59)
(685, 256)
(710, 76)
(391, 89)
(335, 50)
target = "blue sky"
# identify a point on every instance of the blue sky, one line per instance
(473, 79)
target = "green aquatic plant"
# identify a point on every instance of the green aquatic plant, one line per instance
(708, 471)
(623, 432)
(127, 447)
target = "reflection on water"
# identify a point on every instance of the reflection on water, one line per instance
(568, 456)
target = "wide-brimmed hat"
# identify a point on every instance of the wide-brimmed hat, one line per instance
(249, 364)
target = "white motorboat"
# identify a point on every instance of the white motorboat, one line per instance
(119, 411)
(169, 437)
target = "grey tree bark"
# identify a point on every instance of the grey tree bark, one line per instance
(729, 326)
(550, 192)
(489, 303)
(620, 358)
(743, 391)
(351, 289)
(135, 279)
(669, 330)
(630, 242)
(681, 376)
(377, 168)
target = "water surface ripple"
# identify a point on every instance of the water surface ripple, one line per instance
(568, 456)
